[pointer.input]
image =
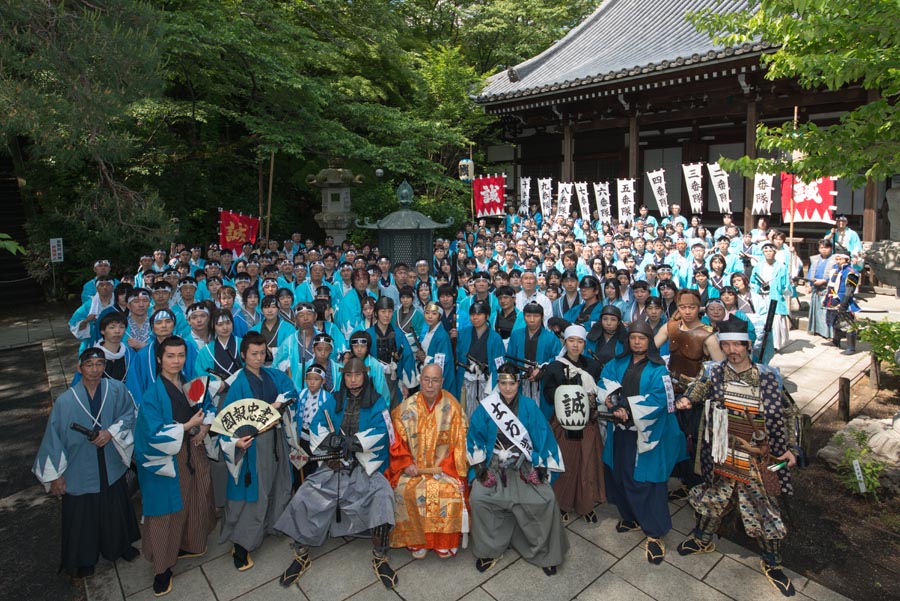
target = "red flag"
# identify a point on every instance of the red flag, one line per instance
(490, 195)
(236, 229)
(812, 202)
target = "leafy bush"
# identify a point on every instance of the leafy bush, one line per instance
(884, 336)
(857, 449)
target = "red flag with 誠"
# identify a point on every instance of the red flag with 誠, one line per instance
(236, 229)
(814, 201)
(490, 193)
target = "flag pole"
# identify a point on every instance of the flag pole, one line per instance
(271, 177)
(472, 188)
(793, 215)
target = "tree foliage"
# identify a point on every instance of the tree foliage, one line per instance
(132, 121)
(825, 44)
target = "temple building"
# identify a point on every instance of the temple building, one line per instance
(636, 88)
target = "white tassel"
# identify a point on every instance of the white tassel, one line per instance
(719, 433)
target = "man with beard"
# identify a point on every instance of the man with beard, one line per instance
(645, 442)
(746, 435)
(348, 494)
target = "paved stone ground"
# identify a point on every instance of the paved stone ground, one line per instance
(601, 563)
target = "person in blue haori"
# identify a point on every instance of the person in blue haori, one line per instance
(84, 322)
(839, 302)
(101, 271)
(482, 283)
(588, 310)
(512, 456)
(221, 355)
(770, 281)
(841, 235)
(820, 267)
(644, 442)
(533, 348)
(172, 467)
(259, 487)
(143, 373)
(275, 330)
(436, 346)
(311, 397)
(349, 313)
(348, 494)
(479, 352)
(119, 355)
(391, 348)
(86, 467)
(606, 338)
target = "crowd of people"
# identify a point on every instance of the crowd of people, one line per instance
(510, 383)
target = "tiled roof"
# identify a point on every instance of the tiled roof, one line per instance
(621, 39)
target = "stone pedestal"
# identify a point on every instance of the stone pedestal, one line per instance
(336, 217)
(893, 203)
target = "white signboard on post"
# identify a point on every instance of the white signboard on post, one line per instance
(56, 250)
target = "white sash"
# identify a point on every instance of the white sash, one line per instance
(508, 423)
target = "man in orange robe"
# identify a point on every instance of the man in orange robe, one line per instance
(428, 469)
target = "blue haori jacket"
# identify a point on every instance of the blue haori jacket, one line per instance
(64, 452)
(157, 441)
(241, 462)
(482, 436)
(495, 356)
(661, 443)
(406, 366)
(376, 432)
(143, 372)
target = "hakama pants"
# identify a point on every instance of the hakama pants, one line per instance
(646, 503)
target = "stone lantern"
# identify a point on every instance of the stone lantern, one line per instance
(405, 235)
(335, 182)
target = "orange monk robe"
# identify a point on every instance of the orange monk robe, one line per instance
(429, 508)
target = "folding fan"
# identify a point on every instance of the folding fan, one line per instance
(195, 390)
(246, 417)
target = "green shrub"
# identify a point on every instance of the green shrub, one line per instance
(884, 336)
(857, 449)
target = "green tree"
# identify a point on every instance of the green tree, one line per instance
(824, 44)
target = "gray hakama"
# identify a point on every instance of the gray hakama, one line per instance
(246, 523)
(365, 503)
(521, 515)
(817, 320)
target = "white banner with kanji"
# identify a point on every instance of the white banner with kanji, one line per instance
(762, 194)
(720, 186)
(490, 195)
(584, 200)
(693, 181)
(524, 195)
(601, 191)
(626, 200)
(657, 181)
(545, 193)
(564, 198)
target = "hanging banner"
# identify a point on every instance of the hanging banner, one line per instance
(814, 201)
(601, 191)
(584, 200)
(524, 195)
(564, 199)
(626, 200)
(720, 186)
(762, 194)
(693, 181)
(658, 186)
(490, 193)
(545, 193)
(235, 229)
